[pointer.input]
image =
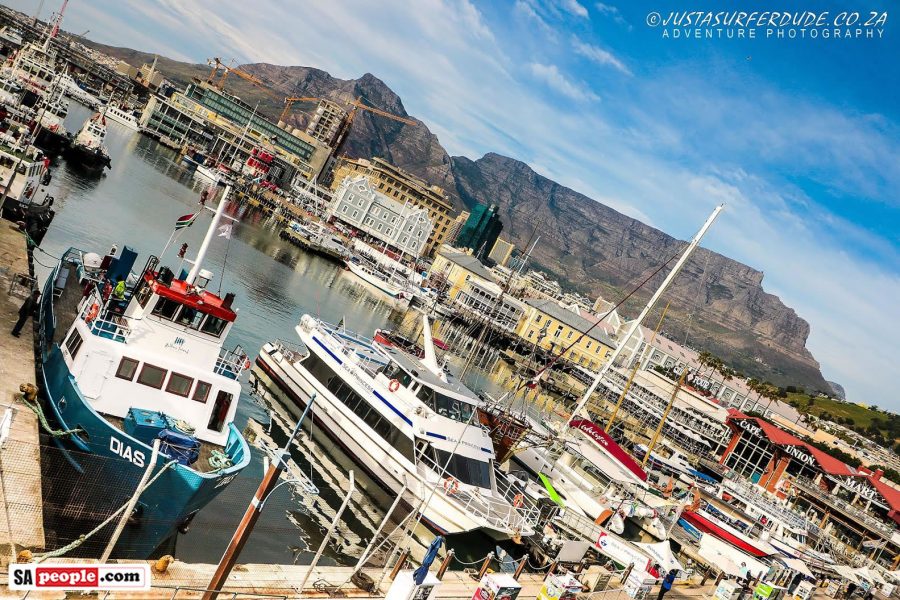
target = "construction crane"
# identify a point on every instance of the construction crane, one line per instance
(348, 122)
(288, 102)
(216, 63)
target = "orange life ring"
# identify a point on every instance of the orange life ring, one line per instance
(518, 501)
(92, 313)
(246, 362)
(394, 385)
(451, 485)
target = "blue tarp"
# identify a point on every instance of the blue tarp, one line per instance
(179, 446)
(702, 476)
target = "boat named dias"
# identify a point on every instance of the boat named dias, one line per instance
(406, 422)
(143, 392)
(88, 149)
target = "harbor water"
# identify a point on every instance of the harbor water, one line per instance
(136, 203)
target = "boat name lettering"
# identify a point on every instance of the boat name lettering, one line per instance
(799, 454)
(136, 457)
(750, 427)
(860, 487)
(178, 344)
(588, 429)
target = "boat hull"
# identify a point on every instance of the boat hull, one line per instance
(395, 294)
(93, 160)
(443, 517)
(51, 142)
(709, 526)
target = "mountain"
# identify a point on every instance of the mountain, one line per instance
(716, 303)
(837, 390)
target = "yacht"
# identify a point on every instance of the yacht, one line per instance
(141, 384)
(71, 89)
(119, 115)
(88, 149)
(406, 421)
(394, 285)
(220, 173)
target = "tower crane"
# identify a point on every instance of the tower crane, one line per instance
(216, 63)
(348, 122)
(288, 102)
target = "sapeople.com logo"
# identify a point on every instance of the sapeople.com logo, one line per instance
(79, 577)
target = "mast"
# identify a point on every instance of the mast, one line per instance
(201, 254)
(637, 322)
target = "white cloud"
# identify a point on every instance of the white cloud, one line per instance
(551, 75)
(598, 55)
(613, 13)
(574, 7)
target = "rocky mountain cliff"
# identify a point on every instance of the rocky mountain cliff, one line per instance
(717, 303)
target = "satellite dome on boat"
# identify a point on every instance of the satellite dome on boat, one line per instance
(92, 260)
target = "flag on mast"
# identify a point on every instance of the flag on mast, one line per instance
(225, 231)
(185, 221)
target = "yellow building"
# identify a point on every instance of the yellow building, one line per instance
(403, 187)
(501, 251)
(458, 269)
(554, 328)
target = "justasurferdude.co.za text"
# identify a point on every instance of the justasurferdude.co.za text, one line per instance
(770, 19)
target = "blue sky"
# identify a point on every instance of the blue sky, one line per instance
(798, 136)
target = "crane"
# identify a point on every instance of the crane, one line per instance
(216, 63)
(348, 122)
(290, 101)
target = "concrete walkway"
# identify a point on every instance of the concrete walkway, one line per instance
(21, 514)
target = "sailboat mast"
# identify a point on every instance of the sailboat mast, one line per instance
(637, 322)
(201, 254)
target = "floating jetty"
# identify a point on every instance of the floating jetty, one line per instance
(21, 501)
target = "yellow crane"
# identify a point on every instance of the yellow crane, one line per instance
(216, 63)
(358, 105)
(288, 102)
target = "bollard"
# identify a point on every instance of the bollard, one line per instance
(551, 569)
(485, 565)
(445, 565)
(399, 564)
(520, 568)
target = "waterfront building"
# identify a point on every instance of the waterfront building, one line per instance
(540, 286)
(480, 231)
(359, 204)
(501, 251)
(452, 270)
(404, 188)
(485, 301)
(455, 226)
(180, 121)
(554, 327)
(326, 121)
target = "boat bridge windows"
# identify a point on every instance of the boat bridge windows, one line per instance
(467, 470)
(155, 377)
(359, 405)
(189, 317)
(445, 405)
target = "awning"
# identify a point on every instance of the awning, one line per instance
(727, 558)
(846, 572)
(662, 553)
(869, 575)
(795, 564)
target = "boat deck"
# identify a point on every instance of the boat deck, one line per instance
(206, 449)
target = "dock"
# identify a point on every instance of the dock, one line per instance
(21, 501)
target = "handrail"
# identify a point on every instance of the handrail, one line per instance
(231, 363)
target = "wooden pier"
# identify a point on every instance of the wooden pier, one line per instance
(21, 515)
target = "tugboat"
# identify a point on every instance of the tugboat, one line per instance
(50, 133)
(88, 149)
(142, 390)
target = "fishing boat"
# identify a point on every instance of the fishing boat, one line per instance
(140, 388)
(88, 149)
(117, 114)
(22, 169)
(34, 64)
(412, 426)
(394, 285)
(10, 38)
(49, 126)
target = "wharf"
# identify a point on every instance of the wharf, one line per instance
(21, 515)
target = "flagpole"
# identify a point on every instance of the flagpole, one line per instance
(166, 247)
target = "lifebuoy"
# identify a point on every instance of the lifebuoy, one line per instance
(92, 313)
(763, 519)
(394, 385)
(518, 501)
(451, 485)
(246, 362)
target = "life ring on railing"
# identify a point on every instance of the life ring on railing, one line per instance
(246, 362)
(518, 501)
(92, 313)
(451, 485)
(394, 385)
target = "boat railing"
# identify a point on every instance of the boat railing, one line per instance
(103, 323)
(292, 351)
(231, 363)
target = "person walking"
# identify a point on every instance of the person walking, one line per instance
(667, 582)
(28, 309)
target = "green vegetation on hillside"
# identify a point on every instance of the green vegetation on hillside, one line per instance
(880, 426)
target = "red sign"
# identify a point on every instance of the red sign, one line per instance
(609, 445)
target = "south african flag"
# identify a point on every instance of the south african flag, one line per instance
(185, 221)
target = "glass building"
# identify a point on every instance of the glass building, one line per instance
(480, 231)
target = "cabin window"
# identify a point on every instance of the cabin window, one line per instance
(73, 344)
(220, 411)
(152, 376)
(143, 294)
(127, 368)
(190, 317)
(445, 405)
(467, 470)
(213, 325)
(201, 392)
(165, 308)
(179, 384)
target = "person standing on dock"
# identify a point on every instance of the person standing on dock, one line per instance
(28, 309)
(667, 582)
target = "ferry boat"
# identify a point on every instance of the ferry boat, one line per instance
(406, 422)
(121, 374)
(394, 285)
(119, 115)
(88, 149)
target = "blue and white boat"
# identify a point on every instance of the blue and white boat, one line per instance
(412, 426)
(120, 373)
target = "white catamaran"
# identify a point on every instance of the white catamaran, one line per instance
(406, 422)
